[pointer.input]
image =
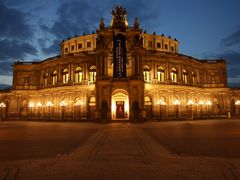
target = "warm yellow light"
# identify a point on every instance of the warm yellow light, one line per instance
(39, 104)
(161, 102)
(176, 102)
(113, 108)
(190, 102)
(2, 105)
(237, 102)
(63, 103)
(31, 104)
(209, 103)
(49, 103)
(200, 102)
(78, 103)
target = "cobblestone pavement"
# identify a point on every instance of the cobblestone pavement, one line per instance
(165, 150)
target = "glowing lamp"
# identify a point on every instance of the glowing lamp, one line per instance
(63, 103)
(31, 104)
(190, 102)
(161, 102)
(2, 105)
(49, 103)
(176, 102)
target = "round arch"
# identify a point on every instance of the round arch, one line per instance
(120, 104)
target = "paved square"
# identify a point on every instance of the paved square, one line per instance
(154, 150)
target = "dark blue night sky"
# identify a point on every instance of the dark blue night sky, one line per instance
(31, 30)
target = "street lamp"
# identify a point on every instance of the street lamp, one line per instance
(160, 103)
(49, 104)
(63, 104)
(39, 105)
(177, 103)
(237, 104)
(201, 110)
(191, 103)
(209, 103)
(79, 103)
(2, 106)
(31, 105)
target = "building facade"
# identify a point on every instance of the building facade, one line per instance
(120, 73)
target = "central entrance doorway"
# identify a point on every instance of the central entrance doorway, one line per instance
(120, 105)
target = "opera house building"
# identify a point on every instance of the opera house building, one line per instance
(119, 73)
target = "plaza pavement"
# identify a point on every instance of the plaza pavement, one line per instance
(195, 150)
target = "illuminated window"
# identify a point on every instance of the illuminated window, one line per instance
(213, 79)
(65, 76)
(78, 74)
(166, 46)
(147, 101)
(92, 74)
(173, 74)
(88, 44)
(185, 78)
(194, 78)
(45, 79)
(80, 46)
(150, 44)
(146, 73)
(160, 74)
(92, 101)
(54, 77)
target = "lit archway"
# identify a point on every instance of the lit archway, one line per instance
(120, 105)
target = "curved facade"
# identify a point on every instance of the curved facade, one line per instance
(120, 73)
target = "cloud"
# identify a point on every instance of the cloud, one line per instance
(76, 17)
(233, 66)
(6, 68)
(14, 49)
(234, 80)
(231, 40)
(5, 81)
(53, 48)
(14, 24)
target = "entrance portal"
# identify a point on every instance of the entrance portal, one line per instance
(120, 105)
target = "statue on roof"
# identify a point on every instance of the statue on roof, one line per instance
(119, 17)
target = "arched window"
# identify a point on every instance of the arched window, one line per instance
(45, 79)
(54, 77)
(78, 74)
(146, 73)
(213, 78)
(65, 76)
(147, 101)
(92, 101)
(173, 74)
(92, 74)
(160, 74)
(185, 76)
(194, 78)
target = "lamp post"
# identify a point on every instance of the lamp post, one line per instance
(177, 104)
(79, 104)
(191, 103)
(160, 103)
(209, 103)
(237, 104)
(39, 105)
(31, 106)
(63, 104)
(2, 106)
(49, 104)
(201, 109)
